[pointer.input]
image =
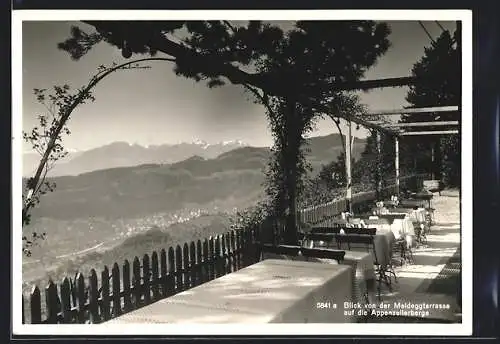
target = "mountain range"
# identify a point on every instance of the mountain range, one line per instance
(121, 154)
(223, 176)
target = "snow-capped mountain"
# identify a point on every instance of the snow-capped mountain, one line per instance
(120, 154)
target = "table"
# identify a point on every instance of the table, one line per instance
(271, 291)
(398, 226)
(363, 271)
(416, 215)
(411, 203)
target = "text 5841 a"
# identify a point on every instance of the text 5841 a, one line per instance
(326, 305)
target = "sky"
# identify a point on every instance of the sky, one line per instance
(154, 106)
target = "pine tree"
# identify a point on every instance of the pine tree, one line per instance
(442, 60)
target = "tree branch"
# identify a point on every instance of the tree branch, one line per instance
(263, 98)
(62, 121)
(228, 24)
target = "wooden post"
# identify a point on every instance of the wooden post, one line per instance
(379, 166)
(348, 159)
(433, 166)
(396, 163)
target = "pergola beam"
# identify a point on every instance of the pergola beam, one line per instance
(421, 124)
(376, 83)
(396, 163)
(233, 73)
(371, 125)
(440, 132)
(414, 111)
(348, 160)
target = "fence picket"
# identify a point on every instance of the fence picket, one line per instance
(36, 305)
(228, 252)
(199, 262)
(127, 300)
(117, 304)
(223, 254)
(186, 267)
(234, 251)
(155, 279)
(136, 282)
(211, 259)
(205, 272)
(192, 264)
(93, 298)
(105, 298)
(52, 302)
(163, 268)
(217, 257)
(238, 249)
(81, 298)
(146, 277)
(171, 272)
(178, 269)
(65, 292)
(22, 303)
(246, 249)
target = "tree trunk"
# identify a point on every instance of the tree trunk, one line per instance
(291, 157)
(438, 161)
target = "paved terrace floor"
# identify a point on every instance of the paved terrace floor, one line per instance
(434, 275)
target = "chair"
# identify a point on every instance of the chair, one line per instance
(361, 231)
(405, 252)
(368, 242)
(420, 233)
(392, 216)
(285, 250)
(324, 237)
(337, 255)
(429, 216)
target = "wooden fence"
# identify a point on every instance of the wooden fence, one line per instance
(360, 201)
(146, 280)
(99, 298)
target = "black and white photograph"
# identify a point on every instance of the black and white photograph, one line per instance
(274, 172)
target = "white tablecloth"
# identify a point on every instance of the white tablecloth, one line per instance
(418, 215)
(271, 291)
(363, 271)
(399, 228)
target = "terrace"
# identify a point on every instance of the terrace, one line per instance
(228, 278)
(405, 251)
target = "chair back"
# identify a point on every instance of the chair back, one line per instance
(280, 250)
(334, 229)
(337, 255)
(362, 231)
(357, 240)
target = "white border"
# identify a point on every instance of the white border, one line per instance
(239, 329)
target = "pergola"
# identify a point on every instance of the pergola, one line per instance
(397, 130)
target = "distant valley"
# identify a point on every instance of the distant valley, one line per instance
(90, 213)
(149, 186)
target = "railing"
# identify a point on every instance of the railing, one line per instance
(136, 285)
(317, 214)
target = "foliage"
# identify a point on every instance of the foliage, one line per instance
(442, 60)
(367, 168)
(332, 177)
(46, 138)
